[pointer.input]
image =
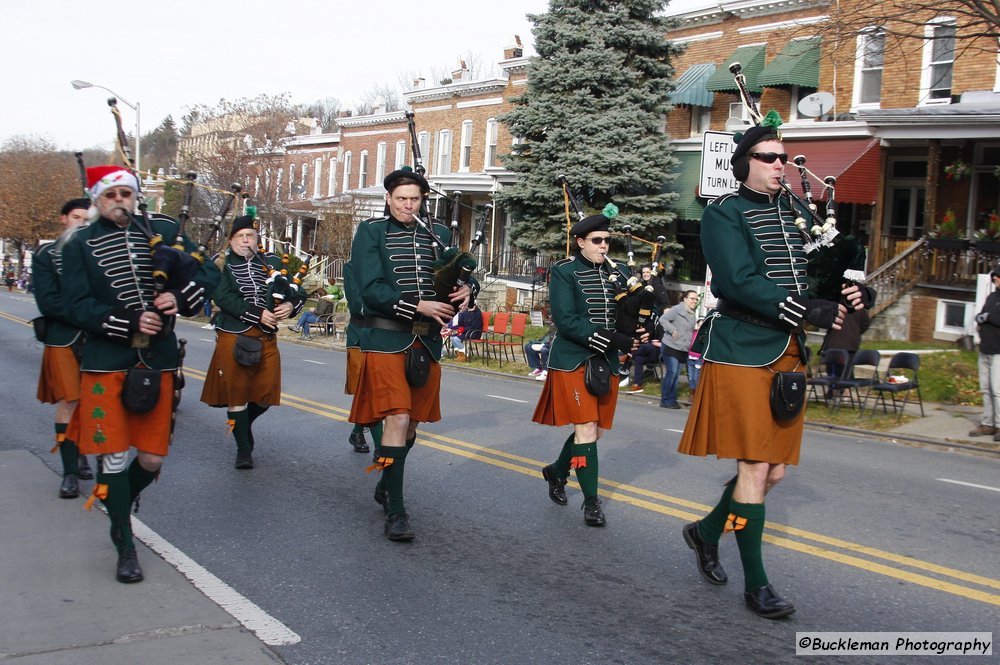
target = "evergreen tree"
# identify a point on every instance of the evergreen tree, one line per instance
(594, 111)
(159, 147)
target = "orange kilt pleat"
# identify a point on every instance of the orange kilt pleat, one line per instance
(353, 370)
(60, 376)
(228, 383)
(565, 400)
(382, 391)
(104, 426)
(731, 415)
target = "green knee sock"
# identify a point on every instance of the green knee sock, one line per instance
(139, 479)
(376, 430)
(68, 452)
(358, 429)
(711, 526)
(749, 540)
(240, 423)
(410, 442)
(561, 465)
(392, 476)
(586, 475)
(254, 411)
(117, 504)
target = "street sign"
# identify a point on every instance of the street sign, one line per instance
(716, 173)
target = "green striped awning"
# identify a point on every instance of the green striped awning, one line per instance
(688, 205)
(690, 87)
(751, 57)
(797, 64)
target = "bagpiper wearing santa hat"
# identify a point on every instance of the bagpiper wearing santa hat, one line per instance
(130, 353)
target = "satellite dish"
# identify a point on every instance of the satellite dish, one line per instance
(816, 104)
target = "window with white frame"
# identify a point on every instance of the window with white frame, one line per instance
(954, 316)
(868, 65)
(348, 162)
(256, 185)
(424, 141)
(701, 120)
(465, 157)
(380, 158)
(317, 176)
(331, 177)
(492, 132)
(363, 170)
(444, 152)
(291, 180)
(400, 155)
(303, 180)
(738, 113)
(277, 183)
(938, 62)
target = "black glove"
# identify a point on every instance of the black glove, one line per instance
(796, 308)
(622, 342)
(189, 299)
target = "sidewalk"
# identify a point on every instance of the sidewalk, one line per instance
(61, 603)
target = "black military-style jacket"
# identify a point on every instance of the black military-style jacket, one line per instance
(245, 292)
(46, 271)
(108, 283)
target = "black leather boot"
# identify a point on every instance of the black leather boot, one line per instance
(557, 486)
(397, 527)
(83, 470)
(70, 488)
(244, 460)
(357, 441)
(592, 513)
(706, 554)
(765, 602)
(128, 570)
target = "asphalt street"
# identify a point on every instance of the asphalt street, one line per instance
(864, 535)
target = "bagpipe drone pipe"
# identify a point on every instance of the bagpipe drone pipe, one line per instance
(834, 260)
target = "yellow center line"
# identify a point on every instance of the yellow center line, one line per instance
(637, 496)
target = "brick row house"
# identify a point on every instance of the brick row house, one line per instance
(910, 128)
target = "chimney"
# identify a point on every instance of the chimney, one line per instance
(418, 83)
(515, 51)
(458, 74)
(379, 108)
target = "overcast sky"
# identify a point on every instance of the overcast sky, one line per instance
(168, 57)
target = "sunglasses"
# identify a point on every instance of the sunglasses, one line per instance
(600, 240)
(769, 157)
(112, 194)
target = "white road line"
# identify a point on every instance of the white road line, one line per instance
(509, 399)
(267, 629)
(211, 341)
(667, 429)
(960, 482)
(314, 362)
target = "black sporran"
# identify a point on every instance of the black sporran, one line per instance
(141, 390)
(418, 366)
(788, 394)
(597, 376)
(40, 327)
(248, 350)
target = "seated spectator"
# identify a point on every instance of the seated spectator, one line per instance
(467, 324)
(324, 307)
(536, 351)
(648, 353)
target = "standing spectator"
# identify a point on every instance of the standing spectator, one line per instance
(678, 328)
(989, 361)
(59, 382)
(467, 324)
(130, 349)
(244, 375)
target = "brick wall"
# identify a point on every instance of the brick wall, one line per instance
(923, 314)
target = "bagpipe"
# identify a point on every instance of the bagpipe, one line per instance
(452, 267)
(634, 300)
(833, 259)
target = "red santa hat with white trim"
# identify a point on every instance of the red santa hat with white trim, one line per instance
(100, 178)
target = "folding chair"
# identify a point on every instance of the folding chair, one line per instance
(496, 330)
(507, 342)
(825, 381)
(906, 365)
(868, 361)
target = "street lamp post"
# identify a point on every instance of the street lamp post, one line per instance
(80, 85)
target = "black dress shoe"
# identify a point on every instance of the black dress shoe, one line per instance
(382, 497)
(707, 555)
(244, 460)
(557, 486)
(592, 513)
(128, 570)
(70, 488)
(83, 470)
(358, 442)
(765, 602)
(397, 527)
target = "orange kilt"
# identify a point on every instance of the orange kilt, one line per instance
(354, 357)
(565, 400)
(60, 376)
(106, 427)
(382, 390)
(731, 415)
(228, 383)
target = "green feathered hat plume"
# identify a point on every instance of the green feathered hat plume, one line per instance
(610, 211)
(252, 211)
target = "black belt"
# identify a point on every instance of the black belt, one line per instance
(418, 328)
(356, 321)
(735, 312)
